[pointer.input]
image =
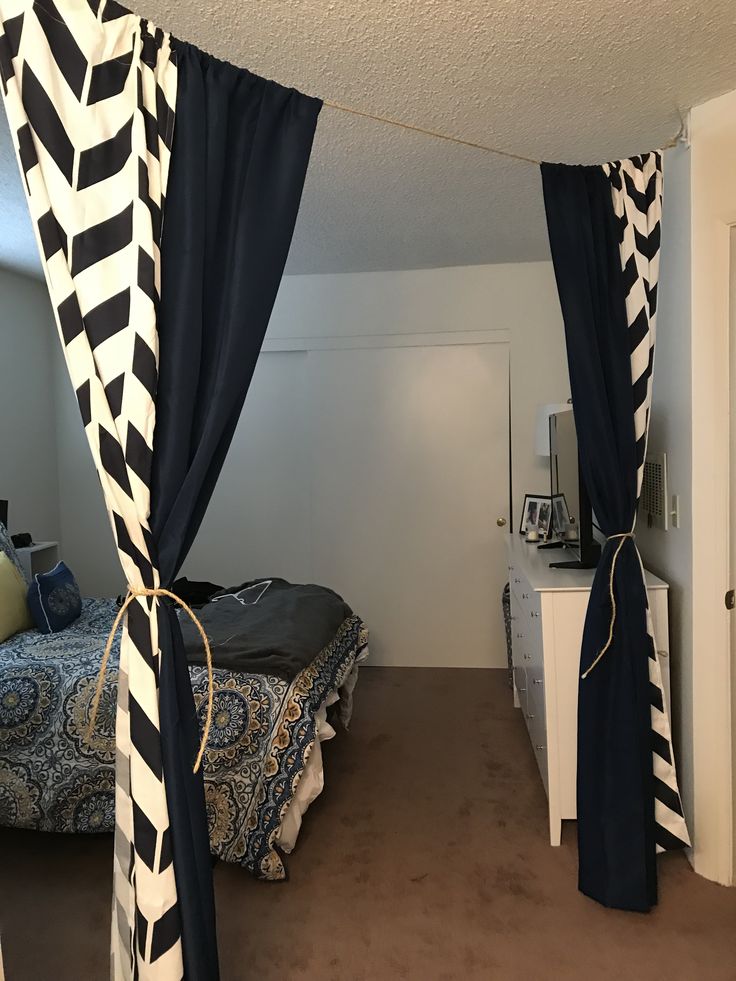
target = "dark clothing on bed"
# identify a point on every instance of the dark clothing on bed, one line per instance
(194, 593)
(279, 634)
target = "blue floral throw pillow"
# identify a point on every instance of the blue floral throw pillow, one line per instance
(54, 599)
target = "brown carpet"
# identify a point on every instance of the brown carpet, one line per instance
(426, 858)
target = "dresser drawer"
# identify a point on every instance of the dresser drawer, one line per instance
(535, 682)
(538, 737)
(521, 639)
(536, 716)
(526, 642)
(523, 622)
(520, 683)
(535, 700)
(524, 650)
(526, 599)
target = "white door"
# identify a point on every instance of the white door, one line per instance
(410, 461)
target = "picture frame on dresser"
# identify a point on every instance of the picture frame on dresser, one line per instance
(560, 515)
(537, 512)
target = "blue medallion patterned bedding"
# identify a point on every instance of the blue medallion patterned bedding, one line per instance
(263, 730)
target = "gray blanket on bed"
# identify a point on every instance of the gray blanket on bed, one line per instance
(266, 626)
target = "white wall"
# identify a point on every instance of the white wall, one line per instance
(669, 554)
(518, 297)
(46, 470)
(28, 452)
(271, 447)
(690, 422)
(713, 214)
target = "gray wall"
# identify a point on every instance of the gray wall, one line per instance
(519, 298)
(28, 449)
(88, 544)
(669, 554)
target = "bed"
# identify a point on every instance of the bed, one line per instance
(263, 763)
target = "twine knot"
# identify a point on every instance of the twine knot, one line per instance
(133, 592)
(622, 535)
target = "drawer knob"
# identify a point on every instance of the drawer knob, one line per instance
(517, 580)
(521, 689)
(540, 747)
(534, 614)
(527, 657)
(530, 716)
(538, 681)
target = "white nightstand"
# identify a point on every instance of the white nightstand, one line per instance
(38, 558)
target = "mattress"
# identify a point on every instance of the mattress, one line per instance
(262, 767)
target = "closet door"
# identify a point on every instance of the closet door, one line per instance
(409, 466)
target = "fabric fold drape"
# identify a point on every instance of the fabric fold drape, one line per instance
(118, 147)
(239, 158)
(604, 232)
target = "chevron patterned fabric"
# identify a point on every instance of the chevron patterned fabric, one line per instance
(90, 91)
(604, 230)
(636, 189)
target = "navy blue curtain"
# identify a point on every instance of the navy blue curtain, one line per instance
(239, 159)
(616, 827)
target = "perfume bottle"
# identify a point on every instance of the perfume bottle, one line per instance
(571, 531)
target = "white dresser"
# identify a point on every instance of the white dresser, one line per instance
(548, 612)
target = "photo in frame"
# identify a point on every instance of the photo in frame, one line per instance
(560, 515)
(537, 511)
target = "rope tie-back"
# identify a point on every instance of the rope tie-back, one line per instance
(623, 535)
(133, 592)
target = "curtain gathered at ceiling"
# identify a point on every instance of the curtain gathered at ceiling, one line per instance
(164, 187)
(604, 232)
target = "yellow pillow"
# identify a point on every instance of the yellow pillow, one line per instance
(14, 613)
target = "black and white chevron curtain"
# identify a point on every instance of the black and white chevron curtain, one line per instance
(604, 231)
(164, 187)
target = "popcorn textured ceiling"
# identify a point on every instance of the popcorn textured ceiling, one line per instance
(570, 80)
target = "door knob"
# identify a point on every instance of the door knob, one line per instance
(500, 522)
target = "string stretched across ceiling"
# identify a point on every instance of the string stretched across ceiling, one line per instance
(509, 154)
